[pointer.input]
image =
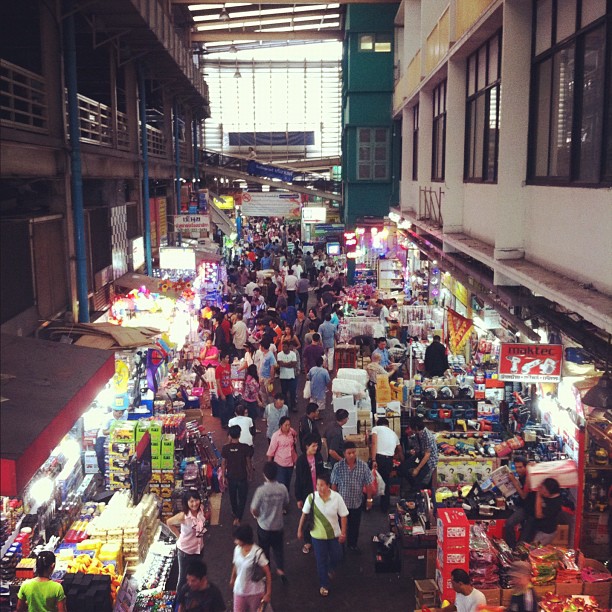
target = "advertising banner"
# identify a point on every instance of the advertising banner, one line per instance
(530, 362)
(191, 223)
(225, 202)
(314, 214)
(257, 169)
(271, 204)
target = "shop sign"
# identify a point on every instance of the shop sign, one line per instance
(177, 258)
(323, 230)
(491, 319)
(191, 223)
(224, 202)
(137, 252)
(162, 219)
(530, 362)
(314, 214)
(271, 204)
(121, 377)
(272, 172)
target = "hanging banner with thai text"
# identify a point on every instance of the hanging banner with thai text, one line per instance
(188, 224)
(530, 362)
(271, 204)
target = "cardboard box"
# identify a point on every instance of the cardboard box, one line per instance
(156, 476)
(193, 415)
(453, 528)
(90, 462)
(156, 462)
(541, 590)
(493, 596)
(155, 431)
(600, 590)
(167, 444)
(156, 450)
(118, 465)
(167, 461)
(457, 557)
(568, 588)
(506, 596)
(561, 536)
(167, 476)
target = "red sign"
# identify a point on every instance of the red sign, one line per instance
(530, 362)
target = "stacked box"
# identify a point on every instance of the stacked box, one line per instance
(453, 548)
(121, 448)
(167, 451)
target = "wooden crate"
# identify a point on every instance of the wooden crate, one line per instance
(426, 593)
(561, 536)
(541, 590)
(568, 588)
(493, 596)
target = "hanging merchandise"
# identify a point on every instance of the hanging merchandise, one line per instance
(459, 329)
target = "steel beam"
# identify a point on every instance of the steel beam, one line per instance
(218, 36)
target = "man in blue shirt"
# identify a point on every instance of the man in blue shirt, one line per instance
(327, 331)
(319, 381)
(385, 358)
(266, 261)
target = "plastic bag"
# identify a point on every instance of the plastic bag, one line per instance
(378, 485)
(307, 392)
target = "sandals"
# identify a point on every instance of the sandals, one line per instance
(306, 549)
(323, 592)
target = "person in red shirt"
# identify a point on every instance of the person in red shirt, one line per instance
(223, 374)
(226, 326)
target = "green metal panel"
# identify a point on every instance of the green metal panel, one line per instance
(373, 108)
(366, 200)
(370, 17)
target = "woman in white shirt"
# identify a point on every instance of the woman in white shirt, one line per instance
(248, 594)
(328, 533)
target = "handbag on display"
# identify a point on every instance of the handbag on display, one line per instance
(257, 572)
(310, 518)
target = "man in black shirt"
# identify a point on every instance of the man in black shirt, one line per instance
(335, 437)
(199, 595)
(236, 466)
(436, 361)
(520, 502)
(308, 425)
(543, 521)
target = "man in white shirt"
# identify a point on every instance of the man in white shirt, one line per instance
(287, 360)
(468, 598)
(251, 286)
(385, 444)
(291, 283)
(247, 428)
(239, 334)
(297, 269)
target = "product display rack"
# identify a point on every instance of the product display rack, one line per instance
(390, 275)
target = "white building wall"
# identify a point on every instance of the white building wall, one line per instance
(563, 229)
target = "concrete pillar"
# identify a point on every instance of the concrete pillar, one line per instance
(406, 173)
(452, 202)
(512, 165)
(425, 139)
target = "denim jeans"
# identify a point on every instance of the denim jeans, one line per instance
(184, 561)
(238, 490)
(284, 476)
(328, 554)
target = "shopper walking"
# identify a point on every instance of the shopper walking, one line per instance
(350, 477)
(247, 427)
(319, 382)
(327, 533)
(269, 503)
(308, 425)
(239, 335)
(427, 453)
(237, 470)
(267, 371)
(249, 594)
(312, 352)
(335, 437)
(302, 288)
(282, 451)
(308, 465)
(199, 593)
(327, 330)
(287, 360)
(41, 594)
(273, 413)
(436, 361)
(250, 392)
(225, 389)
(189, 526)
(385, 445)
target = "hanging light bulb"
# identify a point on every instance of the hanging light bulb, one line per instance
(224, 15)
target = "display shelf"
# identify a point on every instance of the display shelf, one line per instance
(11, 539)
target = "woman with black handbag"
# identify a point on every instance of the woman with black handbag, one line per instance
(251, 578)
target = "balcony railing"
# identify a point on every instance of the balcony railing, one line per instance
(23, 98)
(437, 42)
(123, 133)
(156, 142)
(95, 122)
(468, 12)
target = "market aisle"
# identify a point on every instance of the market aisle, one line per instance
(356, 587)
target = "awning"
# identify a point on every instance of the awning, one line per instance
(46, 387)
(133, 280)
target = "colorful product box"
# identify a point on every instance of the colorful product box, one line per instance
(167, 444)
(167, 461)
(167, 476)
(156, 462)
(156, 449)
(453, 528)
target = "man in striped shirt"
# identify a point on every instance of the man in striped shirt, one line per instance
(350, 477)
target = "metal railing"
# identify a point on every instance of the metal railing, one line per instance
(156, 141)
(123, 132)
(95, 122)
(430, 205)
(23, 98)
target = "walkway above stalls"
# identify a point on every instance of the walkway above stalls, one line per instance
(46, 387)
